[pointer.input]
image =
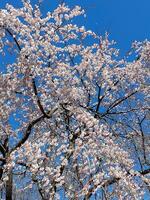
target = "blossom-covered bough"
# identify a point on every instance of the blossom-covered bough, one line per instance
(74, 118)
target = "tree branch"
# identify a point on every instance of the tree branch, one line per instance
(2, 149)
(38, 99)
(109, 182)
(10, 33)
(119, 101)
(30, 126)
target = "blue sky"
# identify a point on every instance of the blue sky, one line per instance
(125, 20)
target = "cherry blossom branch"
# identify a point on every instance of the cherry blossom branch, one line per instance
(100, 98)
(10, 33)
(108, 183)
(143, 137)
(39, 188)
(119, 101)
(114, 104)
(2, 149)
(33, 179)
(127, 111)
(2, 159)
(105, 184)
(27, 133)
(38, 99)
(78, 73)
(29, 128)
(146, 171)
(137, 153)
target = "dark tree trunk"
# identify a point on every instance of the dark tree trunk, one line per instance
(1, 172)
(9, 185)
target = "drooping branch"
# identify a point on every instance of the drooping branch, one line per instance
(27, 133)
(38, 99)
(14, 38)
(108, 183)
(30, 126)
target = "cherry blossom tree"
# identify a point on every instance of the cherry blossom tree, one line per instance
(74, 116)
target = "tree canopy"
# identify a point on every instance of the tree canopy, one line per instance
(74, 116)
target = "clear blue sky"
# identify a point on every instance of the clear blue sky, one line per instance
(125, 20)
